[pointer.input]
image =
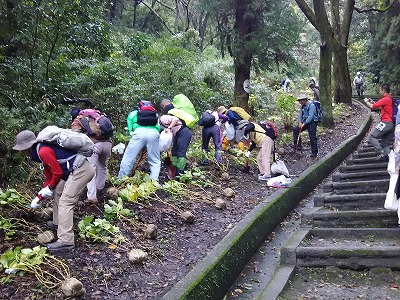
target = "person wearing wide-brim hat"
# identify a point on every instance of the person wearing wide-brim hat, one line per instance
(259, 138)
(63, 183)
(307, 121)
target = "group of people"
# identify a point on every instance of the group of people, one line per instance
(65, 184)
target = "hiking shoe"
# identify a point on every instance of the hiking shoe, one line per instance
(51, 225)
(260, 176)
(58, 246)
(264, 178)
(313, 155)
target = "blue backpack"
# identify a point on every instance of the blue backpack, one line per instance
(395, 103)
(319, 113)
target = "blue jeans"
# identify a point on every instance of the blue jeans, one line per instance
(312, 134)
(142, 137)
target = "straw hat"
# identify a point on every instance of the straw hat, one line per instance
(25, 140)
(222, 110)
(301, 97)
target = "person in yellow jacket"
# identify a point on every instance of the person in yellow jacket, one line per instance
(259, 138)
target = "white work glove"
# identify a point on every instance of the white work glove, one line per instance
(247, 154)
(46, 193)
(36, 203)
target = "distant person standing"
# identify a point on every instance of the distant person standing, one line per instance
(285, 85)
(358, 82)
(315, 90)
(382, 135)
(314, 81)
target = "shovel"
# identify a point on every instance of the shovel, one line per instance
(142, 154)
(171, 170)
(247, 167)
(297, 143)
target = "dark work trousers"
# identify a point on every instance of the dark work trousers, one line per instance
(214, 133)
(181, 142)
(312, 134)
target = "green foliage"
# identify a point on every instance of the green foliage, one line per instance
(12, 198)
(99, 230)
(22, 259)
(137, 187)
(116, 210)
(9, 227)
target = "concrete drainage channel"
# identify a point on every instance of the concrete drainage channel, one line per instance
(212, 277)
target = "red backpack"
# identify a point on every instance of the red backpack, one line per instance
(147, 115)
(270, 129)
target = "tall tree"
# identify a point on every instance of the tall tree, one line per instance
(334, 33)
(385, 48)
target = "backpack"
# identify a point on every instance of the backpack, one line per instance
(319, 113)
(182, 102)
(147, 115)
(395, 109)
(207, 120)
(95, 123)
(67, 138)
(186, 118)
(270, 129)
(240, 112)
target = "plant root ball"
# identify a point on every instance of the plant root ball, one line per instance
(220, 204)
(47, 213)
(150, 232)
(187, 217)
(45, 237)
(228, 192)
(72, 287)
(112, 193)
(225, 176)
(137, 256)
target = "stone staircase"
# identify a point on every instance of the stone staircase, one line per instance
(348, 226)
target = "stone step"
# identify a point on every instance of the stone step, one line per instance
(366, 148)
(364, 160)
(364, 154)
(358, 176)
(350, 202)
(352, 248)
(357, 187)
(321, 217)
(363, 167)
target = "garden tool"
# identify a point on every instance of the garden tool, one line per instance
(247, 167)
(142, 154)
(171, 171)
(297, 143)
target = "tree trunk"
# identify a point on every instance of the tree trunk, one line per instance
(242, 53)
(325, 95)
(342, 81)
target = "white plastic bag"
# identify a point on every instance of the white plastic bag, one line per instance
(279, 180)
(391, 167)
(230, 131)
(119, 149)
(165, 140)
(279, 168)
(391, 201)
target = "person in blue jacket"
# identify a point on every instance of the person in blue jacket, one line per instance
(307, 121)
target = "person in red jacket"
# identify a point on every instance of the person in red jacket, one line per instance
(64, 182)
(382, 135)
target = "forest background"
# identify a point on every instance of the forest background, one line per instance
(118, 52)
